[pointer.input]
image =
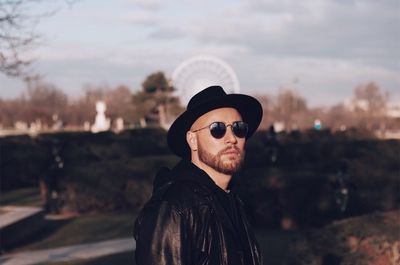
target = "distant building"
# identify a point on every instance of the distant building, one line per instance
(393, 111)
(361, 104)
(393, 125)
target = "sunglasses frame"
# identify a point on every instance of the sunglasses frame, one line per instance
(225, 126)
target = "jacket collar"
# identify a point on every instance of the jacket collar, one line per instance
(187, 171)
(184, 171)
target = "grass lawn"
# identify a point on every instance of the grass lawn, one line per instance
(21, 197)
(90, 228)
(116, 259)
(99, 227)
(80, 230)
(273, 243)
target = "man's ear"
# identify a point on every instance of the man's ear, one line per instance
(191, 139)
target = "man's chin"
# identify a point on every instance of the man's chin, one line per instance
(227, 163)
(231, 166)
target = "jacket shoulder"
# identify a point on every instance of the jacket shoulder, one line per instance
(186, 194)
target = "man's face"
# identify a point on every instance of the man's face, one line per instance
(226, 154)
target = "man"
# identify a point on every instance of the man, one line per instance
(194, 216)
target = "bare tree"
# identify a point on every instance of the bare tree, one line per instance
(291, 109)
(370, 103)
(44, 100)
(119, 103)
(338, 117)
(11, 111)
(268, 111)
(83, 109)
(17, 34)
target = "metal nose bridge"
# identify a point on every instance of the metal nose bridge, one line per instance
(233, 133)
(226, 125)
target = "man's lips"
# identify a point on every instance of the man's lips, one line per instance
(231, 152)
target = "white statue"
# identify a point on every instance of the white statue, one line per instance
(101, 123)
(119, 125)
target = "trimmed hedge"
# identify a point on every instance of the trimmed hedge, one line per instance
(107, 172)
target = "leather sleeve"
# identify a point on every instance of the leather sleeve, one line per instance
(161, 236)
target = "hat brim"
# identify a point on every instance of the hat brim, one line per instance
(248, 107)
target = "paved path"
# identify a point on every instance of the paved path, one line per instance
(83, 251)
(13, 214)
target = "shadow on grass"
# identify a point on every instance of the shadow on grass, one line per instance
(82, 230)
(50, 228)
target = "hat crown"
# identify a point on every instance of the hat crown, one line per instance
(209, 93)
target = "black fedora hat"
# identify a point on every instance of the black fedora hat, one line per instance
(213, 97)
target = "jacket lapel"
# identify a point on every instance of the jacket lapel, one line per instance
(191, 173)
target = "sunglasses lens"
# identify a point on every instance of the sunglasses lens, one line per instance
(217, 129)
(240, 129)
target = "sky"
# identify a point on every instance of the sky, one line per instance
(321, 49)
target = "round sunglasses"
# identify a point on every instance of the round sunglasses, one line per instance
(218, 129)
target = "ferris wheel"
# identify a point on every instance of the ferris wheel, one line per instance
(199, 72)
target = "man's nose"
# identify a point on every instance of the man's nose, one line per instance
(230, 137)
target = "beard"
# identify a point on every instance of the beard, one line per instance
(221, 162)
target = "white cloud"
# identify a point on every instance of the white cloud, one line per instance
(140, 18)
(321, 81)
(327, 47)
(146, 4)
(328, 30)
(167, 33)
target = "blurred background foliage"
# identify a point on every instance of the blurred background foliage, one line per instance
(291, 181)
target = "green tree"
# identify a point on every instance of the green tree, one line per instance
(156, 83)
(156, 100)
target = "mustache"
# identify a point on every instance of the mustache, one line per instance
(230, 149)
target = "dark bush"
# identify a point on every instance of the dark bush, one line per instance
(311, 171)
(294, 178)
(22, 161)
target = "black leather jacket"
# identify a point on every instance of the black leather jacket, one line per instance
(184, 223)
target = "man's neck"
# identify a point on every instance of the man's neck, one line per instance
(220, 179)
